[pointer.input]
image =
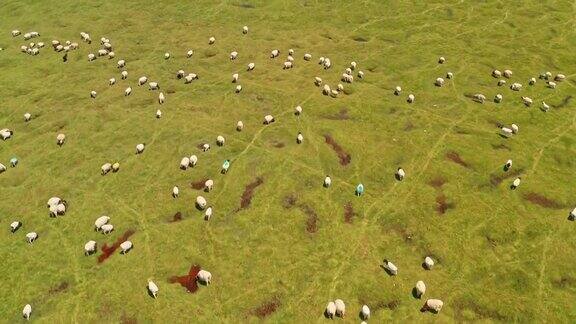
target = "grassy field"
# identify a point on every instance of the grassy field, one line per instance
(501, 255)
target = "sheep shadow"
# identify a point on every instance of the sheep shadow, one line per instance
(326, 315)
(150, 293)
(506, 168)
(425, 309)
(397, 177)
(415, 293)
(424, 266)
(513, 187)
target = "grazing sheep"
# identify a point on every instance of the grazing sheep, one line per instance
(480, 98)
(112, 81)
(161, 98)
(142, 80)
(91, 57)
(400, 174)
(208, 214)
(327, 182)
(287, 65)
(152, 288)
(507, 74)
(13, 162)
(27, 311)
(245, 30)
(268, 119)
(330, 310)
(353, 65)
(200, 202)
(180, 74)
(93, 94)
(359, 190)
(449, 75)
(106, 167)
(184, 163)
(365, 312)
(166, 55)
(390, 267)
(111, 55)
(360, 75)
(211, 40)
(439, 82)
(274, 53)
(208, 185)
(326, 90)
(410, 98)
(15, 33)
(321, 60)
(235, 77)
(572, 215)
(107, 228)
(327, 63)
(6, 133)
(307, 57)
(153, 86)
(225, 166)
(434, 305)
(204, 277)
(397, 90)
(290, 58)
(140, 148)
(419, 289)
(340, 87)
(31, 237)
(340, 308)
(24, 49)
(101, 221)
(175, 192)
(334, 93)
(239, 126)
(515, 183)
(125, 247)
(516, 86)
(251, 66)
(220, 140)
(238, 89)
(506, 132)
(532, 81)
(115, 167)
(233, 55)
(124, 75)
(2, 168)
(551, 84)
(53, 201)
(527, 101)
(428, 263)
(508, 165)
(290, 52)
(497, 74)
(60, 139)
(102, 52)
(347, 78)
(514, 128)
(14, 226)
(158, 114)
(299, 138)
(441, 60)
(189, 53)
(53, 211)
(545, 106)
(559, 77)
(190, 77)
(317, 81)
(205, 147)
(193, 160)
(89, 248)
(121, 64)
(128, 91)
(348, 71)
(498, 98)
(298, 110)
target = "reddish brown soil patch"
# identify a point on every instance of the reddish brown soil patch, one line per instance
(266, 308)
(542, 201)
(188, 281)
(455, 157)
(289, 202)
(199, 185)
(60, 288)
(495, 180)
(393, 304)
(125, 319)
(348, 213)
(249, 193)
(342, 115)
(176, 218)
(344, 157)
(279, 145)
(437, 182)
(441, 205)
(107, 251)
(501, 147)
(312, 220)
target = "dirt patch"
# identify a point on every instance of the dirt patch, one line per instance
(289, 201)
(244, 5)
(60, 288)
(480, 311)
(199, 185)
(495, 180)
(344, 157)
(359, 39)
(455, 157)
(409, 126)
(279, 144)
(501, 147)
(341, 115)
(188, 281)
(176, 218)
(125, 319)
(542, 201)
(349, 213)
(403, 232)
(248, 193)
(564, 102)
(312, 220)
(391, 305)
(442, 205)
(170, 91)
(437, 182)
(266, 309)
(107, 251)
(564, 282)
(461, 131)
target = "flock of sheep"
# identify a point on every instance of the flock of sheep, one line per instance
(57, 206)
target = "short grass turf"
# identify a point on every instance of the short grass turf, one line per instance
(501, 255)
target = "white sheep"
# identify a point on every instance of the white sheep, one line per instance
(508, 165)
(327, 181)
(153, 86)
(60, 138)
(166, 55)
(317, 81)
(93, 94)
(175, 192)
(205, 147)
(439, 82)
(516, 183)
(514, 128)
(299, 138)
(106, 167)
(397, 90)
(251, 66)
(441, 60)
(220, 140)
(233, 55)
(91, 57)
(330, 310)
(204, 277)
(449, 75)
(53, 201)
(15, 33)
(347, 78)
(287, 65)
(180, 74)
(14, 226)
(193, 160)
(334, 93)
(124, 75)
(506, 132)
(428, 263)
(326, 90)
(390, 267)
(501, 82)
(365, 312)
(211, 40)
(532, 81)
(516, 86)
(572, 215)
(31, 237)
(551, 84)
(360, 75)
(208, 214)
(434, 305)
(27, 311)
(101, 221)
(545, 107)
(111, 55)
(498, 98)
(208, 185)
(497, 74)
(158, 113)
(400, 174)
(348, 71)
(112, 81)
(290, 58)
(411, 98)
(102, 52)
(200, 202)
(140, 148)
(239, 126)
(340, 87)
(268, 119)
(125, 247)
(184, 163)
(307, 57)
(142, 80)
(274, 53)
(153, 288)
(121, 64)
(238, 89)
(161, 98)
(115, 167)
(6, 133)
(189, 53)
(327, 63)
(128, 91)
(559, 77)
(107, 228)
(89, 247)
(235, 77)
(298, 110)
(245, 30)
(340, 308)
(419, 289)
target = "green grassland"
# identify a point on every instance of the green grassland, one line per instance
(499, 256)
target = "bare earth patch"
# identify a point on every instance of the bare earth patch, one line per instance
(58, 289)
(455, 157)
(437, 182)
(542, 201)
(176, 218)
(188, 281)
(199, 185)
(266, 309)
(249, 192)
(107, 251)
(312, 220)
(349, 213)
(495, 180)
(344, 157)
